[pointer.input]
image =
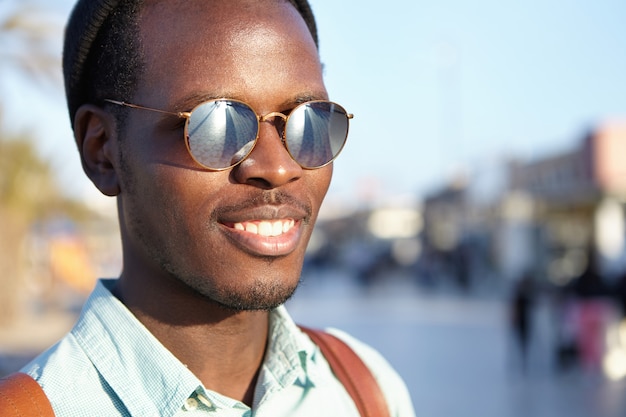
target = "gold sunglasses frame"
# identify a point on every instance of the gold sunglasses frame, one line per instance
(260, 119)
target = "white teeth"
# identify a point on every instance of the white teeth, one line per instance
(277, 229)
(252, 228)
(266, 228)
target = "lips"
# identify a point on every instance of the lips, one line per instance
(265, 230)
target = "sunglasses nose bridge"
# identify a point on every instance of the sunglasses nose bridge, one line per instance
(280, 127)
(272, 115)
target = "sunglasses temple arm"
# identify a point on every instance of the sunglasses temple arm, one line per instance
(182, 115)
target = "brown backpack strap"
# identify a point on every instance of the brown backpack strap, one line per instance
(21, 396)
(352, 373)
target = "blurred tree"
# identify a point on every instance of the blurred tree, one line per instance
(29, 35)
(28, 189)
(25, 185)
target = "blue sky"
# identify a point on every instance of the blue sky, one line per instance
(438, 87)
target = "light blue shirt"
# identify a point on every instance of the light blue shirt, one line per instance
(111, 365)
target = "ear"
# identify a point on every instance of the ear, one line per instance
(96, 137)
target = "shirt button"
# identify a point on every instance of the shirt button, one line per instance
(191, 404)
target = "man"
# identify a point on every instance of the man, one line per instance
(210, 123)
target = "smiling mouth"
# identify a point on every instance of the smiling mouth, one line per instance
(266, 228)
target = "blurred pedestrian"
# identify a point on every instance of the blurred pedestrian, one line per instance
(591, 314)
(522, 302)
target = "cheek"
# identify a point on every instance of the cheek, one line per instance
(167, 216)
(152, 142)
(321, 181)
(162, 190)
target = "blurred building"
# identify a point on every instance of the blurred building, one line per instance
(368, 241)
(458, 233)
(545, 218)
(576, 205)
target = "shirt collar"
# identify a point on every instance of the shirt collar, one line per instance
(288, 357)
(151, 381)
(147, 378)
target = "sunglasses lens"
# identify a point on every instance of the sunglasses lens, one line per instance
(221, 133)
(316, 132)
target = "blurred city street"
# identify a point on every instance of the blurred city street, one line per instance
(455, 352)
(453, 349)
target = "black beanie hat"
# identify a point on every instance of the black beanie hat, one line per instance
(85, 22)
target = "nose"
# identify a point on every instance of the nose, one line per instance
(269, 165)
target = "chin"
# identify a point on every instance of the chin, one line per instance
(265, 293)
(260, 297)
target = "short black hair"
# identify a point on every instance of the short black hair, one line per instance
(102, 54)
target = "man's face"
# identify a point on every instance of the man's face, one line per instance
(181, 221)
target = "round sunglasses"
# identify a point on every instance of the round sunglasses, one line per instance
(221, 133)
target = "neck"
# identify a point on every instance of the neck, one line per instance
(224, 348)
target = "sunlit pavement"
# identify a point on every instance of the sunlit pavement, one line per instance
(453, 350)
(455, 353)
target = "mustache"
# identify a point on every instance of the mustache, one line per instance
(265, 198)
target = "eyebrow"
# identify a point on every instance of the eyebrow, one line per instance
(303, 98)
(192, 100)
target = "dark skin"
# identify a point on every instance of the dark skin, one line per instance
(199, 285)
